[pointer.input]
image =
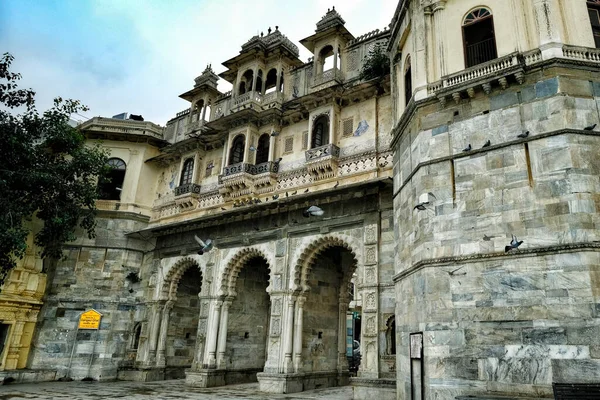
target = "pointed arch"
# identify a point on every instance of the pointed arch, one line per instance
(234, 266)
(171, 280)
(301, 269)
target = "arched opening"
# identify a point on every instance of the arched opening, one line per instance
(207, 112)
(197, 111)
(478, 37)
(111, 187)
(183, 324)
(407, 81)
(187, 172)
(236, 153)
(242, 88)
(594, 13)
(325, 344)
(137, 332)
(259, 81)
(262, 149)
(281, 82)
(271, 83)
(390, 336)
(320, 132)
(248, 322)
(325, 59)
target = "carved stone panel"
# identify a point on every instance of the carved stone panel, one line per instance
(370, 255)
(276, 310)
(202, 328)
(370, 301)
(280, 248)
(276, 327)
(370, 275)
(370, 325)
(370, 234)
(204, 309)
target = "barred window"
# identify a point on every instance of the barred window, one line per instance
(187, 172)
(348, 126)
(288, 145)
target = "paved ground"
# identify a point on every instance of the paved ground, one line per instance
(167, 390)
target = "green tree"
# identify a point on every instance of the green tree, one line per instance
(46, 172)
(376, 64)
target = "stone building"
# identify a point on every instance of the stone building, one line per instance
(491, 104)
(422, 178)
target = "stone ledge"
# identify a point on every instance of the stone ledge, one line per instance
(390, 383)
(28, 375)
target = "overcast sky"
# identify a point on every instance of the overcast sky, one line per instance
(138, 56)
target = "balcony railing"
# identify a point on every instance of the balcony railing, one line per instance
(481, 52)
(581, 53)
(187, 188)
(483, 71)
(322, 151)
(247, 98)
(251, 169)
(330, 75)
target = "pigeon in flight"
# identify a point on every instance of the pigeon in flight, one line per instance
(313, 211)
(204, 246)
(514, 244)
(523, 135)
(274, 133)
(421, 206)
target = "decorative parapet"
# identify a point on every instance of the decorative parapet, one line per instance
(581, 53)
(481, 75)
(273, 97)
(369, 35)
(331, 75)
(265, 179)
(122, 126)
(236, 181)
(186, 196)
(247, 99)
(322, 162)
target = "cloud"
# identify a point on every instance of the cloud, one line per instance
(138, 56)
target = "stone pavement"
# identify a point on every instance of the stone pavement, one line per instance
(175, 389)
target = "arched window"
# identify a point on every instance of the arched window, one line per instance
(594, 12)
(236, 153)
(390, 336)
(325, 59)
(271, 83)
(407, 81)
(187, 172)
(262, 149)
(110, 188)
(259, 81)
(478, 37)
(242, 88)
(137, 332)
(320, 132)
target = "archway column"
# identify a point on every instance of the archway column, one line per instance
(342, 359)
(222, 342)
(289, 335)
(157, 307)
(213, 329)
(298, 333)
(161, 360)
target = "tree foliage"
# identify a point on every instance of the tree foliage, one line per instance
(46, 172)
(376, 64)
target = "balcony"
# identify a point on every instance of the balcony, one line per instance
(265, 177)
(186, 196)
(333, 76)
(586, 54)
(243, 179)
(247, 100)
(479, 76)
(322, 162)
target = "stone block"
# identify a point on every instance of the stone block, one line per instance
(575, 371)
(546, 88)
(503, 100)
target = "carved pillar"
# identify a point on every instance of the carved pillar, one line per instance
(335, 55)
(14, 344)
(440, 31)
(201, 333)
(289, 331)
(247, 146)
(369, 292)
(203, 118)
(221, 362)
(161, 360)
(547, 18)
(190, 115)
(278, 80)
(254, 76)
(342, 359)
(298, 333)
(156, 320)
(225, 159)
(213, 328)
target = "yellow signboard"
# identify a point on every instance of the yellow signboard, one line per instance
(90, 320)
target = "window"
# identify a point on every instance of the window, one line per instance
(478, 37)
(407, 82)
(110, 188)
(390, 336)
(262, 149)
(288, 145)
(187, 172)
(348, 127)
(271, 83)
(594, 12)
(236, 154)
(320, 132)
(325, 59)
(137, 332)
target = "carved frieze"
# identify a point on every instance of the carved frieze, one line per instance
(370, 255)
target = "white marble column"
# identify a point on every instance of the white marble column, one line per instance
(298, 333)
(222, 342)
(289, 332)
(213, 329)
(440, 31)
(156, 320)
(161, 360)
(204, 112)
(547, 17)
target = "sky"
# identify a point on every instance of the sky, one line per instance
(138, 56)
